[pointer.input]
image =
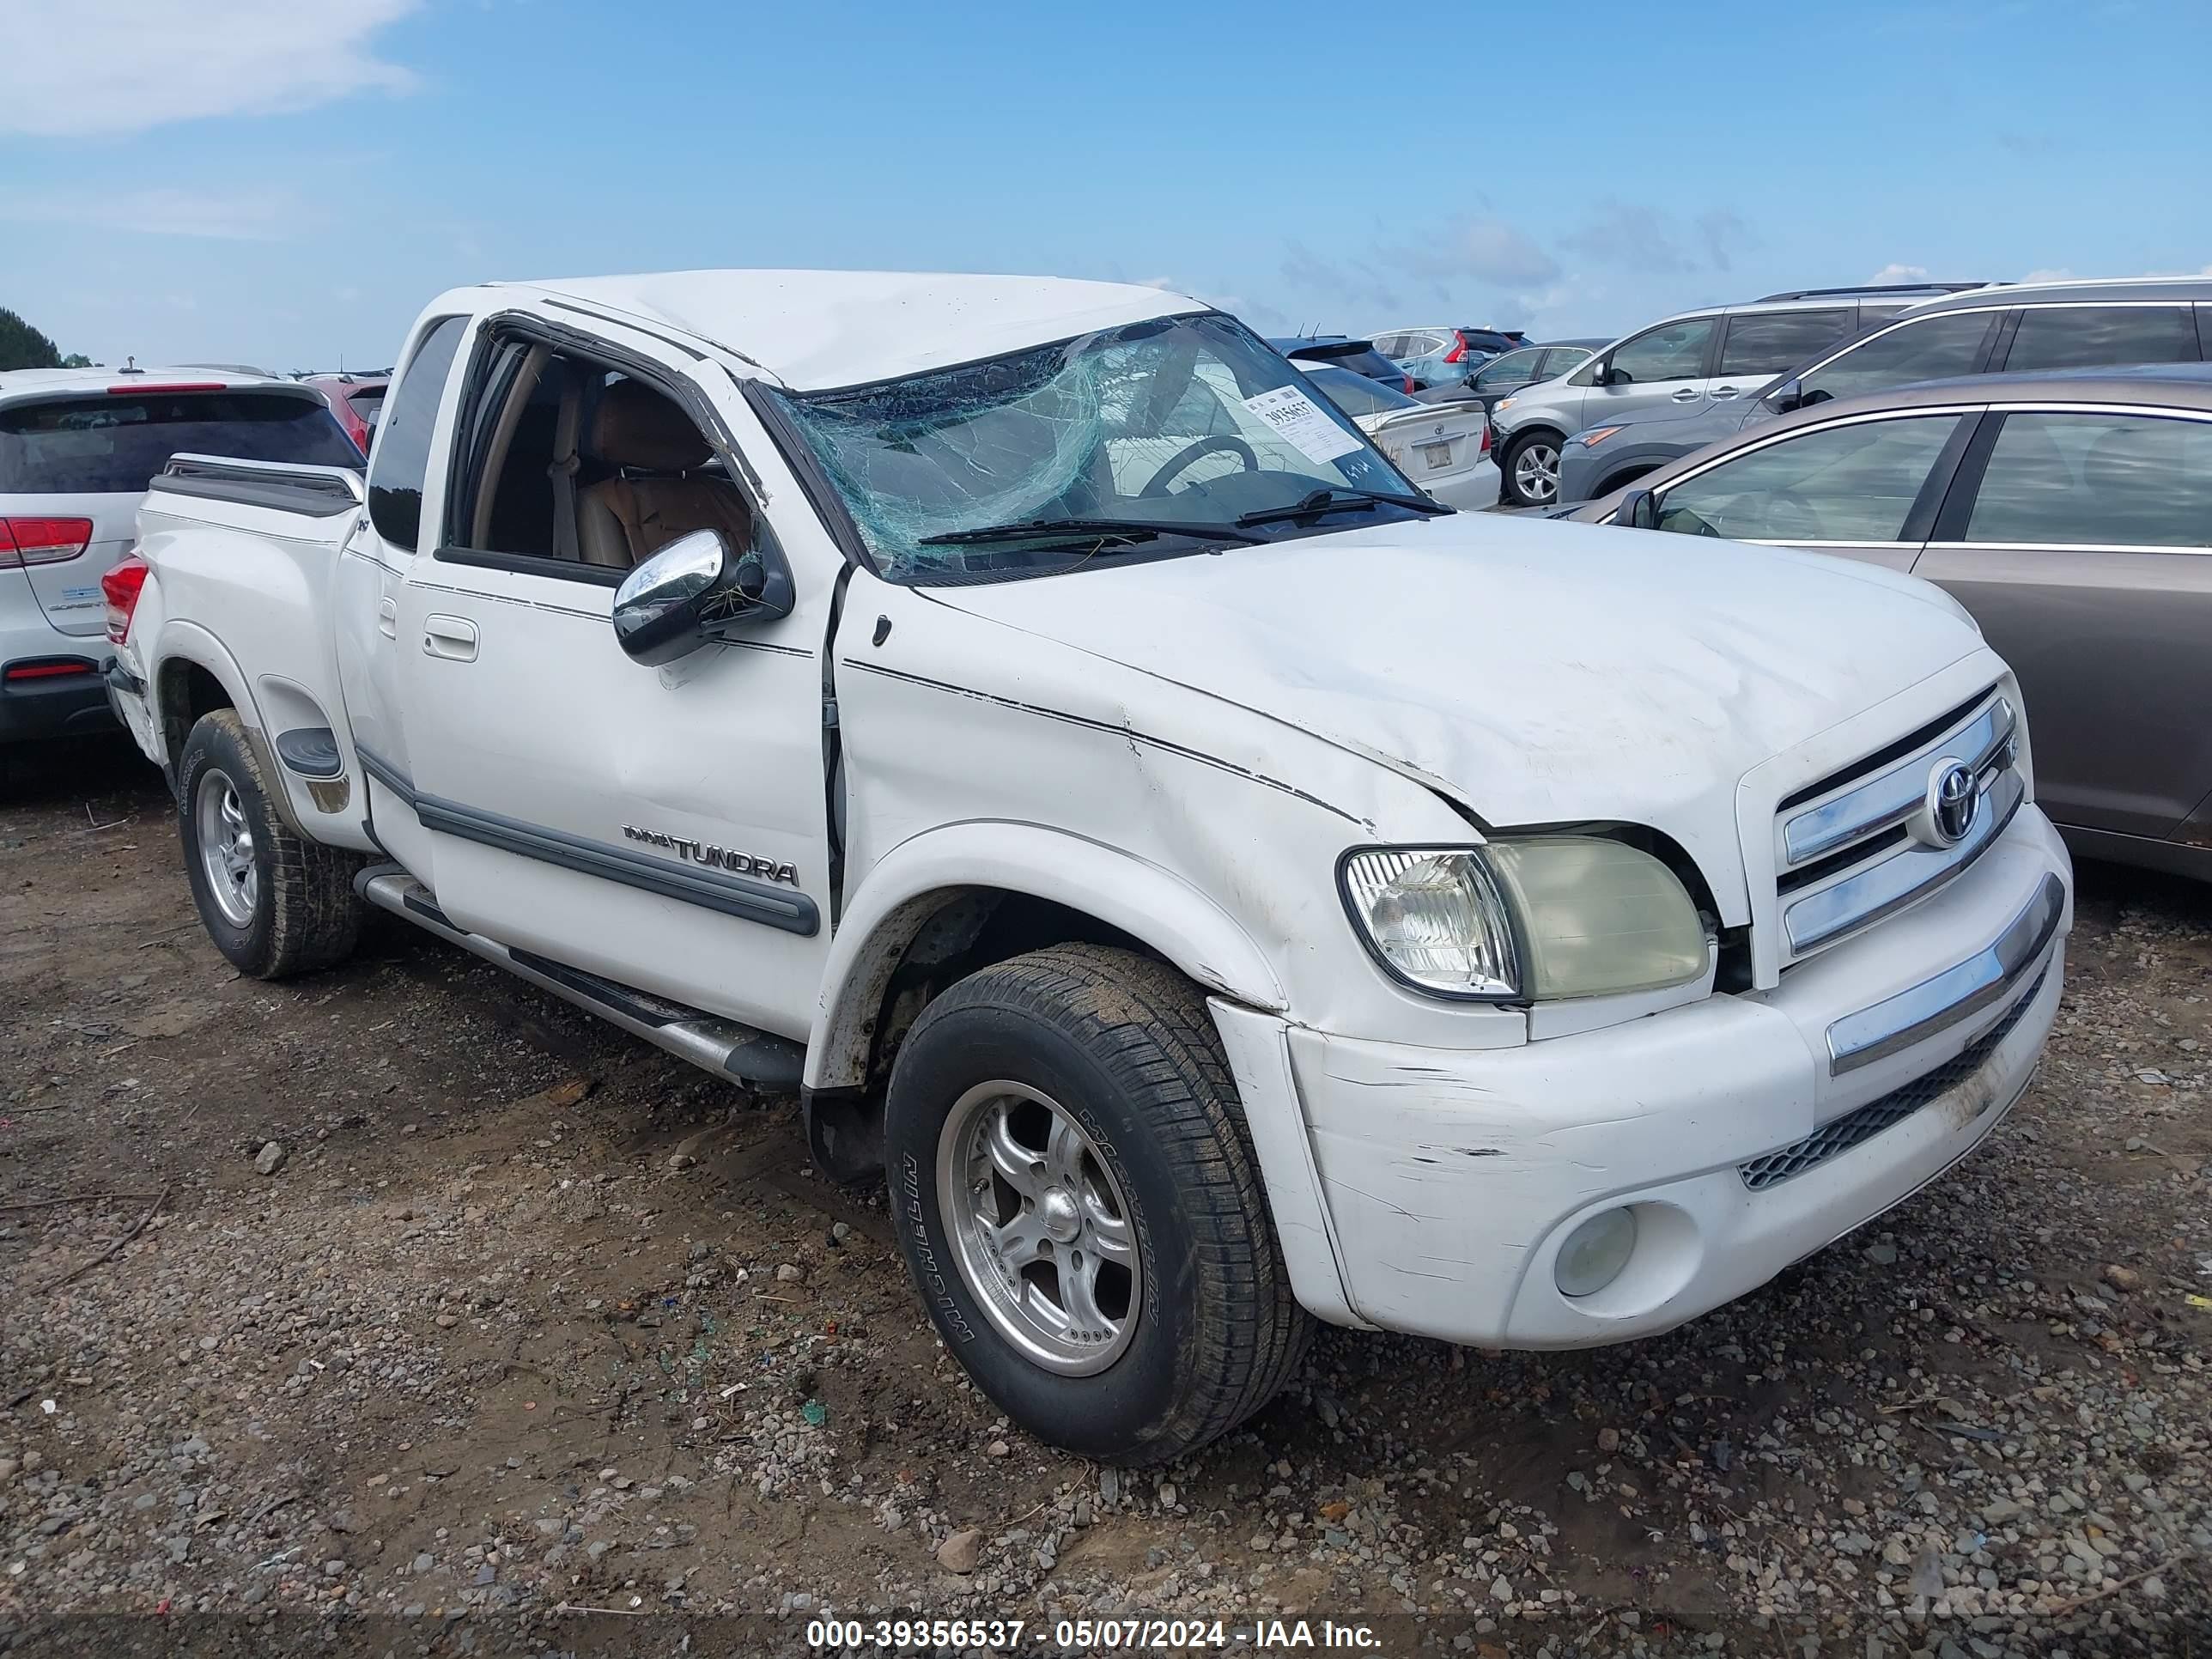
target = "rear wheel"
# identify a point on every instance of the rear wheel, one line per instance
(1530, 473)
(274, 902)
(1080, 1204)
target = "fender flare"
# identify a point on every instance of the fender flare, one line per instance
(191, 643)
(187, 642)
(911, 882)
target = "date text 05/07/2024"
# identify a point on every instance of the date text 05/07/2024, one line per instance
(1091, 1635)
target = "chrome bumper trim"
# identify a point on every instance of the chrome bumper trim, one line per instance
(1956, 994)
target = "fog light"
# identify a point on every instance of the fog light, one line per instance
(1595, 1253)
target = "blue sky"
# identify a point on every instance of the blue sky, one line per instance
(286, 182)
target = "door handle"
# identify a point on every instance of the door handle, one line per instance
(452, 637)
(1688, 394)
(388, 619)
(1720, 392)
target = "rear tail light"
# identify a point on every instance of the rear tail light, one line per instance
(122, 586)
(55, 669)
(1411, 386)
(1484, 447)
(42, 541)
(1458, 350)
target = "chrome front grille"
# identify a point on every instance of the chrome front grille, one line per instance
(1891, 829)
(1856, 1128)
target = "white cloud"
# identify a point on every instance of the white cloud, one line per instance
(1495, 252)
(1894, 272)
(2067, 274)
(1638, 237)
(257, 215)
(83, 67)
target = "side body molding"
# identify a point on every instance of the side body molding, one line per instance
(905, 887)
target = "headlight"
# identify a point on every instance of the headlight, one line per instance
(1540, 918)
(1503, 405)
(1436, 918)
(1596, 436)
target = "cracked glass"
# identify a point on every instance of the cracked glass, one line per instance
(1177, 426)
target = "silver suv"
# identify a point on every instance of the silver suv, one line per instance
(1679, 366)
(78, 448)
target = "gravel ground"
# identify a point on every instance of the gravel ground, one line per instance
(404, 1309)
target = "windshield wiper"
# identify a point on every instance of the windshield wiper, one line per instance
(1128, 530)
(1338, 500)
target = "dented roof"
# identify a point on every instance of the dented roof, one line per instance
(814, 330)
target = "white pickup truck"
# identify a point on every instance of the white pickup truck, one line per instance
(1217, 886)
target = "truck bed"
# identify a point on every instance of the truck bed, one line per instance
(243, 559)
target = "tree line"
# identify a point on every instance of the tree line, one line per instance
(22, 346)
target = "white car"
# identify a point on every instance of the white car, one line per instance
(1444, 448)
(1210, 903)
(78, 448)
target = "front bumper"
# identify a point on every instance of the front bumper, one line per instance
(1448, 1180)
(1580, 468)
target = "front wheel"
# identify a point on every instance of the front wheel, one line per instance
(1078, 1202)
(274, 902)
(1530, 471)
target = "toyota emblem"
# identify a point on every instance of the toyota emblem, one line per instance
(1952, 801)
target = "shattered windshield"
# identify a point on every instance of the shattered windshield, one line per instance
(1154, 438)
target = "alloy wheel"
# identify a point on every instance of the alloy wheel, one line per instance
(226, 839)
(1536, 473)
(1040, 1227)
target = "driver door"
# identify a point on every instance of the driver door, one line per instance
(1661, 372)
(664, 828)
(1861, 489)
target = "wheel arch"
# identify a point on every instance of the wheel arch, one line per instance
(1620, 477)
(961, 896)
(194, 674)
(1537, 428)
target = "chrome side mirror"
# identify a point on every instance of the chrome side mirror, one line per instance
(694, 590)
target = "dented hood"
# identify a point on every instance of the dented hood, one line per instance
(1541, 673)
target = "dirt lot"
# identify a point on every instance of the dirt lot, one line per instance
(532, 1337)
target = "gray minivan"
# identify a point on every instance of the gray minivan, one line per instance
(2045, 327)
(1682, 365)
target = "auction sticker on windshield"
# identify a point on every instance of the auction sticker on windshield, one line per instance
(1299, 420)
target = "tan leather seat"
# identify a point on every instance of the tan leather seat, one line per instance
(624, 521)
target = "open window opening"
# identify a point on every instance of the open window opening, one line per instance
(585, 468)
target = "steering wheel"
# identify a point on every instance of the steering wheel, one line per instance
(1195, 450)
(1792, 518)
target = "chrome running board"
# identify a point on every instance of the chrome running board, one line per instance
(709, 1042)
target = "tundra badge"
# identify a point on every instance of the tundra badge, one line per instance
(717, 858)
